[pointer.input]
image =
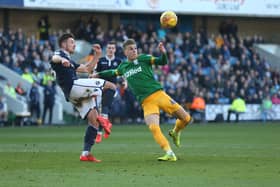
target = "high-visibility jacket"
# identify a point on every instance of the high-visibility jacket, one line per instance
(238, 105)
(198, 103)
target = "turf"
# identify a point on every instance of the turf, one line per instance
(211, 155)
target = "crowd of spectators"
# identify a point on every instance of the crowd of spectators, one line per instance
(218, 67)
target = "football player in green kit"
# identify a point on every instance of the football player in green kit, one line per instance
(138, 72)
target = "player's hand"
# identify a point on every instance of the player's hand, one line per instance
(94, 75)
(65, 62)
(161, 47)
(97, 50)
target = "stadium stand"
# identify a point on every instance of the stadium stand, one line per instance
(218, 65)
(19, 104)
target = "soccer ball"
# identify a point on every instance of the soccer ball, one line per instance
(168, 19)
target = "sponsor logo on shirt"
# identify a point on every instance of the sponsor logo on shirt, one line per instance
(132, 72)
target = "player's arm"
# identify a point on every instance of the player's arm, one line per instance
(107, 73)
(89, 66)
(162, 60)
(86, 68)
(56, 58)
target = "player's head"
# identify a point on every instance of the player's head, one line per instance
(130, 49)
(67, 42)
(111, 49)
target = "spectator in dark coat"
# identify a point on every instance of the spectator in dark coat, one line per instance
(43, 26)
(49, 100)
(34, 98)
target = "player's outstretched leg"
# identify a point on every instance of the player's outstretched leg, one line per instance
(106, 135)
(105, 123)
(183, 120)
(107, 100)
(98, 138)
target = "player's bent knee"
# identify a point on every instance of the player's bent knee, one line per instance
(182, 115)
(187, 118)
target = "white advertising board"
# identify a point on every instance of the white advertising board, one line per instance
(262, 8)
(252, 112)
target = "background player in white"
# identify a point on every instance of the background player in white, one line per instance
(81, 91)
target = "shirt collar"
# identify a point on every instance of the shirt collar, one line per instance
(66, 52)
(110, 59)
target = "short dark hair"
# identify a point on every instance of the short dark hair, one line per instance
(112, 43)
(64, 37)
(129, 42)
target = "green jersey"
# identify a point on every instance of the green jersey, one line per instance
(139, 75)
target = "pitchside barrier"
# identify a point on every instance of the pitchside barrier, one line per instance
(252, 112)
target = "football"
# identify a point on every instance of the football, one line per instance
(168, 19)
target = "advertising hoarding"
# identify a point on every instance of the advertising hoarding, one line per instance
(261, 8)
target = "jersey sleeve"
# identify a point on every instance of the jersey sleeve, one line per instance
(112, 72)
(58, 52)
(63, 55)
(108, 73)
(149, 59)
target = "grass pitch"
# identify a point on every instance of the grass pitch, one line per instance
(211, 155)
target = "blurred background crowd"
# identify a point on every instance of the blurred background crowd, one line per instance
(215, 67)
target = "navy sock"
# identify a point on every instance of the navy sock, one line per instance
(100, 128)
(89, 138)
(107, 100)
(105, 109)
